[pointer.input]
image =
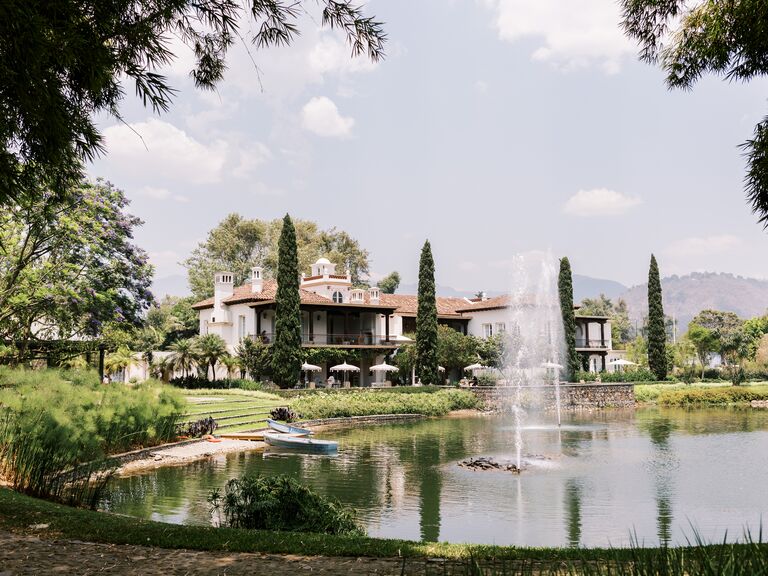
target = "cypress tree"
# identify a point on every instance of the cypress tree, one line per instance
(426, 320)
(286, 350)
(565, 288)
(657, 335)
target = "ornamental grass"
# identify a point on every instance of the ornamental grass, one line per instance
(58, 429)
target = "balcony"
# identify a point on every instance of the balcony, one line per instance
(340, 340)
(596, 344)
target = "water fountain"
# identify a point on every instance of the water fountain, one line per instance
(535, 342)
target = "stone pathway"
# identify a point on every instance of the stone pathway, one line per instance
(29, 555)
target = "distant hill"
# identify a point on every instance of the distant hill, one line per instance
(588, 287)
(686, 296)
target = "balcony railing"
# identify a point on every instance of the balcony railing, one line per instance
(359, 339)
(597, 343)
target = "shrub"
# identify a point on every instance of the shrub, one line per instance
(199, 428)
(281, 503)
(329, 405)
(58, 429)
(713, 396)
(639, 375)
(197, 382)
(283, 413)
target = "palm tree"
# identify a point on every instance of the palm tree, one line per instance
(162, 368)
(120, 360)
(233, 364)
(184, 355)
(209, 349)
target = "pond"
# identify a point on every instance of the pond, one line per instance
(650, 474)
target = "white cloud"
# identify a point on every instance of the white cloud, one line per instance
(330, 55)
(161, 194)
(705, 246)
(321, 116)
(600, 202)
(157, 149)
(571, 34)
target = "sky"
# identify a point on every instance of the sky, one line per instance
(492, 127)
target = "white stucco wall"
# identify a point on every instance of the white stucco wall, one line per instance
(493, 317)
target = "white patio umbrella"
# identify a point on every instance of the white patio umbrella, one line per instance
(309, 368)
(345, 368)
(621, 362)
(475, 366)
(441, 368)
(400, 338)
(383, 367)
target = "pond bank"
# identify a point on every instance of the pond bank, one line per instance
(185, 452)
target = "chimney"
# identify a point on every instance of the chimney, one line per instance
(257, 279)
(374, 294)
(223, 287)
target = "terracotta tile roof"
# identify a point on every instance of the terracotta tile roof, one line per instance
(490, 304)
(268, 292)
(407, 304)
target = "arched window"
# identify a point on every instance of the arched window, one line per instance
(337, 297)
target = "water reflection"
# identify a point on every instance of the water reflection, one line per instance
(605, 476)
(573, 511)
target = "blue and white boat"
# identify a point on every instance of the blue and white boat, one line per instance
(301, 443)
(287, 428)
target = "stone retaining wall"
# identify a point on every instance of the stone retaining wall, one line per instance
(572, 396)
(352, 420)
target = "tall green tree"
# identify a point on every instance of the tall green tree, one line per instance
(565, 289)
(255, 357)
(69, 267)
(237, 244)
(390, 283)
(454, 349)
(65, 63)
(286, 350)
(426, 320)
(657, 334)
(691, 39)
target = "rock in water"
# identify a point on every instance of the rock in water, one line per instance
(483, 463)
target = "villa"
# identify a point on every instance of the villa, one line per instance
(334, 314)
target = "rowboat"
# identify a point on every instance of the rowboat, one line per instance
(287, 428)
(301, 443)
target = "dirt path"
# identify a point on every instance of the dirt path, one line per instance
(29, 555)
(186, 453)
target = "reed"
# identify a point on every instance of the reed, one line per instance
(58, 430)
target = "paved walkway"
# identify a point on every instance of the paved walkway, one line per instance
(29, 555)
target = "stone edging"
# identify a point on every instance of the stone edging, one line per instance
(346, 420)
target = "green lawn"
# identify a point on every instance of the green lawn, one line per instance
(234, 410)
(651, 392)
(22, 514)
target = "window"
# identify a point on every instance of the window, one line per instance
(241, 327)
(338, 298)
(487, 330)
(501, 327)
